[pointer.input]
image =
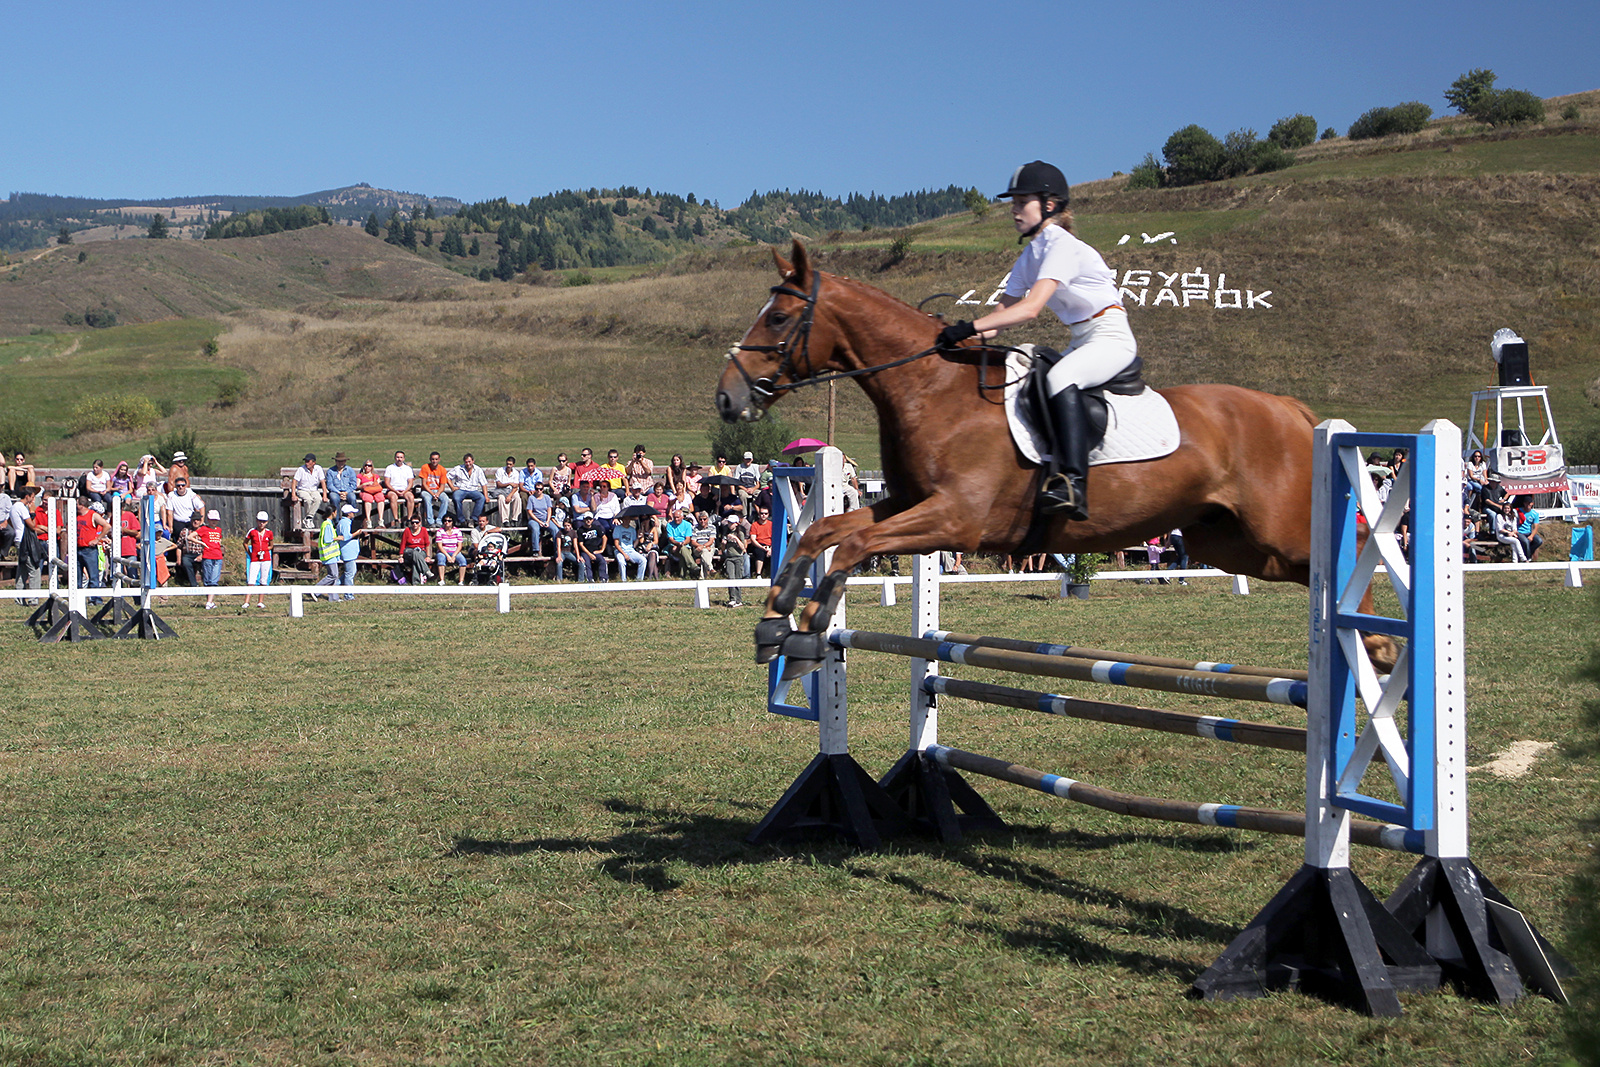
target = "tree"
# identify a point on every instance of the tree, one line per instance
(64, 237)
(1408, 117)
(158, 226)
(620, 207)
(1238, 153)
(974, 201)
(408, 235)
(475, 249)
(1468, 92)
(1192, 156)
(764, 438)
(392, 234)
(1510, 107)
(427, 212)
(699, 227)
(1296, 131)
(1329, 134)
(372, 227)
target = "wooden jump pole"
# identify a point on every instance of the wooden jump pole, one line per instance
(1264, 820)
(1105, 672)
(1254, 734)
(1079, 652)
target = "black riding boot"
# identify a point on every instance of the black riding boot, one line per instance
(1064, 491)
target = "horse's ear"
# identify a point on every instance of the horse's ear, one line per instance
(802, 262)
(785, 268)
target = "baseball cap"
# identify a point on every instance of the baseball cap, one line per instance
(348, 509)
(212, 514)
(261, 516)
(749, 455)
(311, 457)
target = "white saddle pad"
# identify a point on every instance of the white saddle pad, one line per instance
(1137, 427)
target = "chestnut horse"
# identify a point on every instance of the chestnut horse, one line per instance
(1239, 484)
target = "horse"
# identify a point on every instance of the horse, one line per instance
(1238, 485)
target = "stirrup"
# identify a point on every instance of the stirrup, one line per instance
(1060, 496)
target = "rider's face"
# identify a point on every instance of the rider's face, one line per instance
(1026, 212)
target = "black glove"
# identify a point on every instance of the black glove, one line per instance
(951, 336)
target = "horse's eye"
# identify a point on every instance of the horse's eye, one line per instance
(776, 319)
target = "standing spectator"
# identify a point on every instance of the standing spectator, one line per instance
(122, 479)
(414, 550)
(538, 514)
(183, 508)
(612, 473)
(342, 483)
(309, 489)
(1180, 554)
(676, 535)
(761, 542)
(448, 545)
(97, 483)
(560, 477)
(398, 478)
(369, 483)
(640, 470)
(92, 528)
(8, 536)
(625, 536)
(748, 476)
(258, 560)
(19, 473)
(179, 469)
(328, 551)
(508, 490)
(585, 469)
(31, 535)
(699, 555)
(434, 482)
(349, 551)
(733, 545)
(471, 486)
(209, 534)
(127, 566)
(593, 545)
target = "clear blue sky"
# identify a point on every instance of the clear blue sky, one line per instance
(479, 99)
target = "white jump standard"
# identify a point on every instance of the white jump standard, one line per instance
(1324, 932)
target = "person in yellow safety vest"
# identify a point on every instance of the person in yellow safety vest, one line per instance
(328, 551)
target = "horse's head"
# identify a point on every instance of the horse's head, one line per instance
(777, 350)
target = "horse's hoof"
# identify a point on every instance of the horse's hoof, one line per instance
(770, 635)
(796, 668)
(806, 645)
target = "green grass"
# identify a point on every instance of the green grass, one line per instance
(423, 832)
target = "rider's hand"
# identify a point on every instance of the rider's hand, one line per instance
(953, 335)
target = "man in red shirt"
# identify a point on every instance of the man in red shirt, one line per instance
(209, 533)
(760, 542)
(414, 546)
(586, 469)
(258, 559)
(91, 524)
(128, 546)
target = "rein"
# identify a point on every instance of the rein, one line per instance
(765, 388)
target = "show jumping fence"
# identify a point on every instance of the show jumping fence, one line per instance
(1324, 932)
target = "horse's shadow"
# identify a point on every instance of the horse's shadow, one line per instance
(655, 838)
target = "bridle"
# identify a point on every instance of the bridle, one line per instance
(764, 389)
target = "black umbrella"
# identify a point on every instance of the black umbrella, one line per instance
(719, 479)
(638, 511)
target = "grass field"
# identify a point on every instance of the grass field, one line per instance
(403, 832)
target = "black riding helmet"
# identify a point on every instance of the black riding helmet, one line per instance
(1038, 178)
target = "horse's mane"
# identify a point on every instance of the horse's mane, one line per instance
(875, 291)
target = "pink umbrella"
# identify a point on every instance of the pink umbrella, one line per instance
(804, 444)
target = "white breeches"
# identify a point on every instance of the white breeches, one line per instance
(1101, 349)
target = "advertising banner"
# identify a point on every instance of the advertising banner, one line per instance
(1530, 468)
(1585, 494)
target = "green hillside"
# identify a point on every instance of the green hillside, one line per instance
(1377, 272)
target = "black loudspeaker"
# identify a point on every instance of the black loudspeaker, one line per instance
(1514, 364)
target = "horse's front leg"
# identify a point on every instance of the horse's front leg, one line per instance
(791, 577)
(936, 523)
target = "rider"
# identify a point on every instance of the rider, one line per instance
(1058, 271)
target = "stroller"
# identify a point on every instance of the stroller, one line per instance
(489, 561)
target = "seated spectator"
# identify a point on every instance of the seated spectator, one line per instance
(309, 488)
(581, 502)
(398, 481)
(1505, 530)
(1528, 528)
(606, 506)
(150, 476)
(699, 555)
(415, 546)
(560, 477)
(1474, 475)
(369, 484)
(691, 479)
(640, 470)
(342, 484)
(448, 546)
(471, 488)
(611, 473)
(729, 503)
(675, 540)
(760, 542)
(97, 483)
(122, 479)
(19, 473)
(8, 535)
(508, 490)
(733, 545)
(684, 502)
(538, 514)
(1469, 533)
(486, 550)
(677, 476)
(625, 539)
(593, 546)
(29, 527)
(565, 550)
(433, 483)
(657, 498)
(126, 564)
(720, 468)
(584, 470)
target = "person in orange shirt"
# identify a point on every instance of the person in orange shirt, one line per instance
(760, 542)
(434, 480)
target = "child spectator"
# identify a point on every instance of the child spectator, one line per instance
(258, 560)
(209, 534)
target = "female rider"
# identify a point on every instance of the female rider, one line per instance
(1058, 271)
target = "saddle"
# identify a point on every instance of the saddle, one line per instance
(1036, 390)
